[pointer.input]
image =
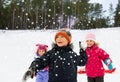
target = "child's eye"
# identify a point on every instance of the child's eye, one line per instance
(62, 36)
(87, 41)
(90, 40)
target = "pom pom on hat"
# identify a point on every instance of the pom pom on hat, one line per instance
(42, 47)
(91, 37)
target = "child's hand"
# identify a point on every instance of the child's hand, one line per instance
(82, 50)
(110, 66)
(108, 62)
(28, 74)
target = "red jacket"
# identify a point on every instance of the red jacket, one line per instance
(94, 66)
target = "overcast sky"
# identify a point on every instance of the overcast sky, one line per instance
(106, 3)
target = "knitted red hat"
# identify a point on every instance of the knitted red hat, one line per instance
(66, 34)
(42, 47)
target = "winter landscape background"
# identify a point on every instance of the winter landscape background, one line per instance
(17, 49)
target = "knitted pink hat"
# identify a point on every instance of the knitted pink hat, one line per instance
(91, 37)
(42, 47)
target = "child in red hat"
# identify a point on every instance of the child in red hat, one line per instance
(42, 75)
(42, 48)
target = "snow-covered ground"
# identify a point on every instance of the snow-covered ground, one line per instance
(17, 49)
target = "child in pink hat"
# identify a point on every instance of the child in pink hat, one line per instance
(42, 75)
(94, 67)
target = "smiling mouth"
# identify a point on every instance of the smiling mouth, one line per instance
(59, 42)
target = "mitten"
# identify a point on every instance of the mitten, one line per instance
(32, 71)
(108, 62)
(82, 50)
(34, 67)
(28, 74)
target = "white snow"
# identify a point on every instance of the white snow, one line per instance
(17, 49)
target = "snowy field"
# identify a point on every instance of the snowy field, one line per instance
(17, 49)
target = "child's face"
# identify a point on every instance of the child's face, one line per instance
(61, 41)
(41, 52)
(90, 43)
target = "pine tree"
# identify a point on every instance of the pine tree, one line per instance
(117, 15)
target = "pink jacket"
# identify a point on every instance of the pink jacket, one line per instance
(94, 66)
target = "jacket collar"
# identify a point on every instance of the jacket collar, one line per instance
(92, 47)
(63, 48)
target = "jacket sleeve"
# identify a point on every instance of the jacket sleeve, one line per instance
(82, 58)
(40, 63)
(103, 54)
(106, 59)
